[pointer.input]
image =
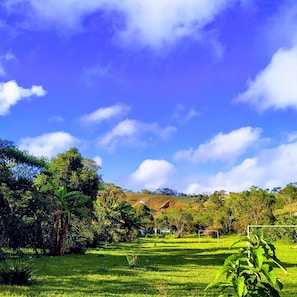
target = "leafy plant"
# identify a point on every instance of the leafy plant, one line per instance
(132, 259)
(248, 273)
(15, 273)
(2, 255)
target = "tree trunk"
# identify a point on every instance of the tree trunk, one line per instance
(54, 237)
(180, 231)
(63, 236)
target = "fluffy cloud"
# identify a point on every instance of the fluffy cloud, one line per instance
(68, 14)
(129, 132)
(98, 161)
(49, 144)
(222, 147)
(146, 22)
(281, 29)
(155, 23)
(292, 136)
(105, 113)
(151, 174)
(275, 86)
(11, 93)
(123, 131)
(271, 168)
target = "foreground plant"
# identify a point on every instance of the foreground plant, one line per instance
(247, 273)
(132, 260)
(15, 273)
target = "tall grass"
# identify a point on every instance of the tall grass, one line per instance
(165, 267)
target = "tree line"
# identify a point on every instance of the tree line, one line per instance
(63, 205)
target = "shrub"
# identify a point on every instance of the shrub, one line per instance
(132, 259)
(248, 273)
(15, 273)
(2, 255)
(78, 249)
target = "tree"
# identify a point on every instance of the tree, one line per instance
(287, 195)
(74, 177)
(18, 194)
(251, 207)
(68, 203)
(216, 212)
(145, 216)
(180, 219)
(116, 218)
(166, 191)
(73, 171)
(18, 168)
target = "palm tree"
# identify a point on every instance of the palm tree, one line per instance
(68, 203)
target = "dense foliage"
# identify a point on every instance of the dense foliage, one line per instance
(62, 205)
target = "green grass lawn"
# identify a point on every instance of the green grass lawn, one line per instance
(166, 267)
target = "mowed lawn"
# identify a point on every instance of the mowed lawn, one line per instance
(166, 267)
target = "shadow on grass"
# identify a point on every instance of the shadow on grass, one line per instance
(169, 270)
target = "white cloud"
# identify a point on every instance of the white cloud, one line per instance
(155, 23)
(292, 136)
(49, 144)
(281, 28)
(122, 132)
(182, 114)
(275, 86)
(11, 93)
(67, 13)
(128, 133)
(145, 22)
(105, 113)
(98, 160)
(151, 174)
(222, 147)
(270, 168)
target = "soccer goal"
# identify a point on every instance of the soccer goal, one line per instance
(216, 232)
(250, 227)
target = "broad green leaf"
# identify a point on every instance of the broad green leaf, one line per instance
(243, 239)
(269, 274)
(279, 284)
(258, 254)
(241, 287)
(232, 258)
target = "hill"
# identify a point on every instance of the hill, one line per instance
(158, 202)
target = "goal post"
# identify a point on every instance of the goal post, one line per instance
(268, 226)
(214, 231)
(249, 227)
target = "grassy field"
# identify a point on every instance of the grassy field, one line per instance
(166, 267)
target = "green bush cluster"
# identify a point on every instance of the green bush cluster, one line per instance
(15, 273)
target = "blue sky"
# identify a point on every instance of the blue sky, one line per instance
(194, 95)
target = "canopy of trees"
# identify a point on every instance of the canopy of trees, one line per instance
(62, 205)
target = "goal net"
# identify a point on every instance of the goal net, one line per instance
(274, 232)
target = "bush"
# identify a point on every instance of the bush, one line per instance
(15, 273)
(132, 259)
(249, 272)
(78, 249)
(2, 255)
